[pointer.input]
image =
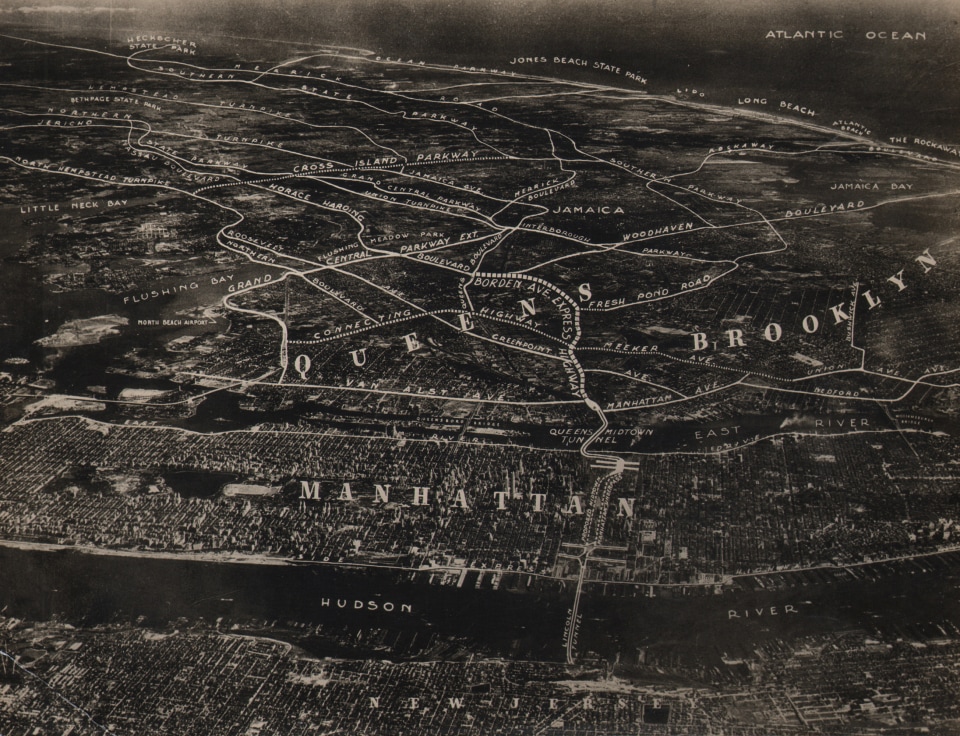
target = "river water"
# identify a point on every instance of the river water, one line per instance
(522, 618)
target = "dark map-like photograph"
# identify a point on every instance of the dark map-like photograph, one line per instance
(479, 367)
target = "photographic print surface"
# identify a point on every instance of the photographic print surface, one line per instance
(407, 367)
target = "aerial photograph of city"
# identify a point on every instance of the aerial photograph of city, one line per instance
(515, 368)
